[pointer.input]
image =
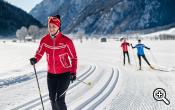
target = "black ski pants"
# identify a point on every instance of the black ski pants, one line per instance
(124, 57)
(57, 85)
(144, 57)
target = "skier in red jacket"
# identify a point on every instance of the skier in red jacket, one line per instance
(124, 46)
(61, 61)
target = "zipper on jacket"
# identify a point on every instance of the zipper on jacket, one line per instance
(54, 56)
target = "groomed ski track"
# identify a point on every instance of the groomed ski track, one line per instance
(101, 87)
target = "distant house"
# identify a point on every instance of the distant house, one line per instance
(103, 39)
(28, 38)
(14, 40)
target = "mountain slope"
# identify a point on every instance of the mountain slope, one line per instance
(12, 18)
(107, 16)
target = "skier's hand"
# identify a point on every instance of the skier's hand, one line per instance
(33, 61)
(73, 77)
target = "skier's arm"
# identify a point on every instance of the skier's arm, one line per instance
(40, 51)
(122, 45)
(133, 46)
(146, 47)
(128, 44)
(73, 56)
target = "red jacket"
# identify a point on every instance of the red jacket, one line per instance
(124, 46)
(60, 53)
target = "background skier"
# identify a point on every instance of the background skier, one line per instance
(124, 46)
(140, 53)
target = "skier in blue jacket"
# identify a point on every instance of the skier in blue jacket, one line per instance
(140, 53)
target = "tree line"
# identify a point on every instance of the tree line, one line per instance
(33, 33)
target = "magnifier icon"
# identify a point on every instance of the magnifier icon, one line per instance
(159, 94)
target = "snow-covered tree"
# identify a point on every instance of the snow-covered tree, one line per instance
(33, 31)
(42, 32)
(18, 35)
(23, 32)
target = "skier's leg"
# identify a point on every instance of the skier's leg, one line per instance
(52, 85)
(64, 81)
(139, 62)
(53, 104)
(144, 57)
(123, 58)
(128, 57)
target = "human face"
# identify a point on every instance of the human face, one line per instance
(124, 40)
(52, 28)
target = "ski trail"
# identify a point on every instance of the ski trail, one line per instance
(33, 103)
(20, 79)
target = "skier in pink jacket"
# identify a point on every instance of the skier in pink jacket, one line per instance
(124, 46)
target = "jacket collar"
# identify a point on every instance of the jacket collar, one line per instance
(58, 36)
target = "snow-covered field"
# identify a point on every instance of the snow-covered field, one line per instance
(113, 86)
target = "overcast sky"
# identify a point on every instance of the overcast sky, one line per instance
(26, 5)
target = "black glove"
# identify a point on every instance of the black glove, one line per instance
(73, 77)
(33, 61)
(148, 48)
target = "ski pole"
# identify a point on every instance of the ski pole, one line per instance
(63, 93)
(87, 83)
(38, 86)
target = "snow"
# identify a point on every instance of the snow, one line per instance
(113, 86)
(170, 31)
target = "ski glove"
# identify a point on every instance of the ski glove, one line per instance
(73, 77)
(148, 48)
(33, 61)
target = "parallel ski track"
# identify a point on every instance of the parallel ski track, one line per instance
(20, 79)
(36, 102)
(96, 99)
(92, 102)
